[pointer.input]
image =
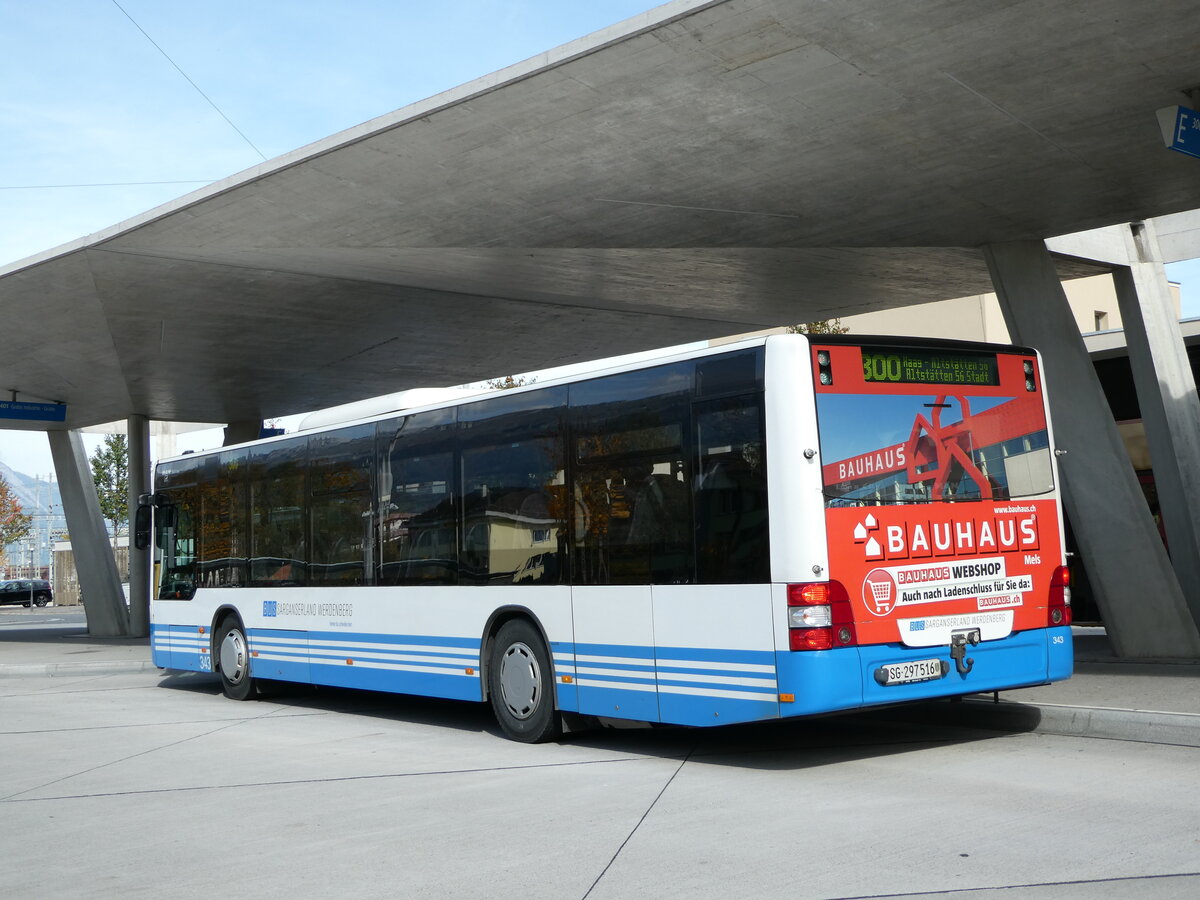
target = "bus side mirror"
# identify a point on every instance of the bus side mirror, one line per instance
(141, 528)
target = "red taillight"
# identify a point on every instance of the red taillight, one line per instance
(1060, 597)
(819, 616)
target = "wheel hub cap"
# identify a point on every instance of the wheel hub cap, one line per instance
(520, 680)
(233, 657)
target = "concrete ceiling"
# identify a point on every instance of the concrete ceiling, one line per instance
(700, 170)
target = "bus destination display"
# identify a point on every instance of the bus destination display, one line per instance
(902, 366)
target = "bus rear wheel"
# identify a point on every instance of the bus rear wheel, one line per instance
(521, 684)
(233, 660)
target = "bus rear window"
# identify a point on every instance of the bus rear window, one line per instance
(928, 447)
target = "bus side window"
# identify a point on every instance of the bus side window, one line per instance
(277, 504)
(731, 493)
(513, 512)
(339, 477)
(631, 487)
(222, 494)
(513, 488)
(418, 509)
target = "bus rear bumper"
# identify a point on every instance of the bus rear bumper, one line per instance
(829, 680)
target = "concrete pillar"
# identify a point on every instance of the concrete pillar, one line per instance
(98, 578)
(138, 431)
(1135, 586)
(1166, 392)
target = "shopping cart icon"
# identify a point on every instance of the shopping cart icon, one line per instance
(882, 592)
(879, 592)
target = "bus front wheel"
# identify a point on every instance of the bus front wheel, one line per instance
(521, 684)
(233, 660)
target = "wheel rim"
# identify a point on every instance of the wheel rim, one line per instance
(233, 656)
(520, 680)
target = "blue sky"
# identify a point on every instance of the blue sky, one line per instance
(99, 126)
(87, 99)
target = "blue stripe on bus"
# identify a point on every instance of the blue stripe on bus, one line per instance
(428, 684)
(706, 654)
(393, 662)
(617, 679)
(369, 638)
(767, 687)
(622, 651)
(730, 673)
(620, 665)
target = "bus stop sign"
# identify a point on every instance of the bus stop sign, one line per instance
(1180, 129)
(41, 412)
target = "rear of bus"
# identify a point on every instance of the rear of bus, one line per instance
(943, 533)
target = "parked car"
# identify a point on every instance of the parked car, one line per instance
(26, 590)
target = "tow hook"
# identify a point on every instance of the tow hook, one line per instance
(958, 649)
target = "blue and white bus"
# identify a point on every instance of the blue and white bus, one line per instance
(777, 527)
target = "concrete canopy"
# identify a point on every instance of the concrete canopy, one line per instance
(702, 169)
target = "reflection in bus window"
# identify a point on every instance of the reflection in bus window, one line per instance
(339, 474)
(632, 494)
(731, 494)
(513, 488)
(919, 448)
(513, 501)
(417, 513)
(277, 543)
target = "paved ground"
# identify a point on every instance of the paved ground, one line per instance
(119, 779)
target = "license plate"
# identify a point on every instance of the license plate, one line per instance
(909, 672)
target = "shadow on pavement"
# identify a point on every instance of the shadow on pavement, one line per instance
(776, 745)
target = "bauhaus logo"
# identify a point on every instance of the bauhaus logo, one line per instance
(1005, 529)
(863, 534)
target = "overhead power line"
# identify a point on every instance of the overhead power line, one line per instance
(207, 99)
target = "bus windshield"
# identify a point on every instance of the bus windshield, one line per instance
(945, 445)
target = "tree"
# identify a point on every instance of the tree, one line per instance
(14, 523)
(511, 381)
(110, 471)
(821, 326)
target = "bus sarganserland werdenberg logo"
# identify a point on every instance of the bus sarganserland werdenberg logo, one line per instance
(949, 556)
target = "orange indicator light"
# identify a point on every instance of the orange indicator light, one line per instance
(787, 698)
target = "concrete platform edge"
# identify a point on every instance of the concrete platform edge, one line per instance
(1142, 726)
(74, 670)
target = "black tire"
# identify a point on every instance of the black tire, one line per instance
(231, 660)
(40, 600)
(521, 684)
